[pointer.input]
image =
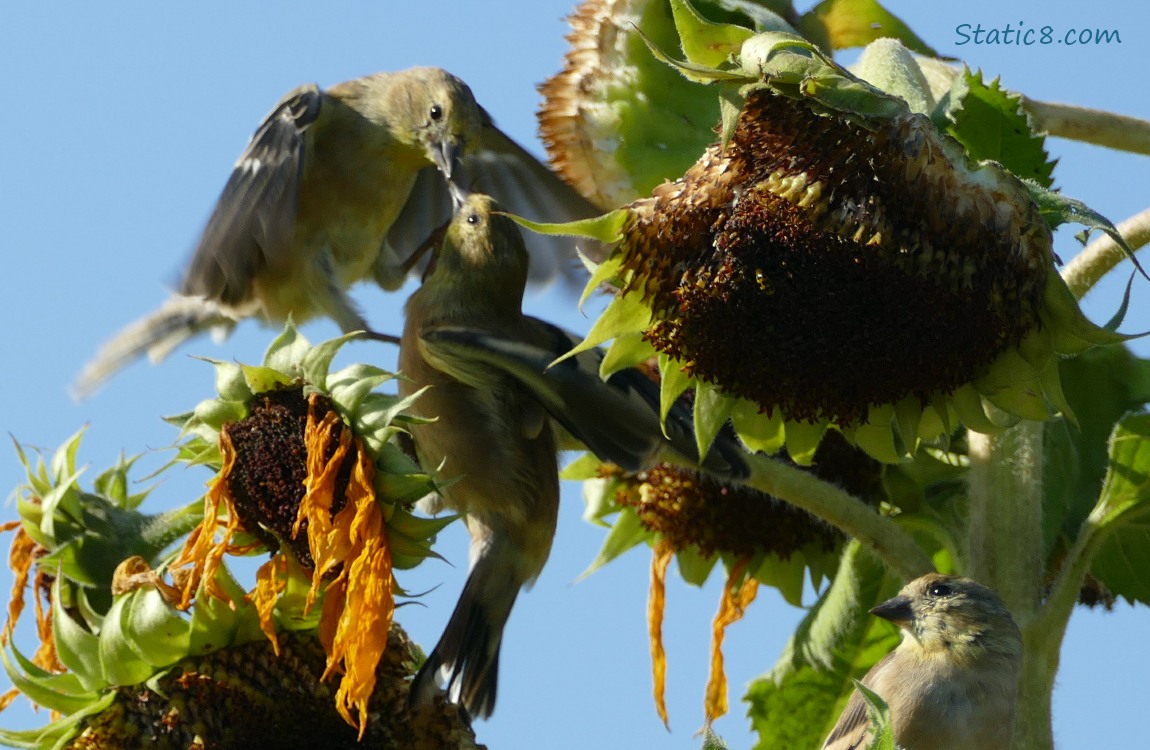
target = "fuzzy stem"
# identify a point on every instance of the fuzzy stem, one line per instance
(889, 541)
(164, 529)
(1090, 125)
(1103, 254)
(1004, 551)
(1004, 544)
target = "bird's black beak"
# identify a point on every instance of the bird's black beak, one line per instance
(897, 610)
(446, 156)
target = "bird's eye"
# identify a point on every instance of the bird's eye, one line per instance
(436, 112)
(473, 218)
(941, 589)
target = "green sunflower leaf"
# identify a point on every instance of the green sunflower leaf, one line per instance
(839, 24)
(1102, 385)
(878, 712)
(1123, 557)
(990, 123)
(798, 701)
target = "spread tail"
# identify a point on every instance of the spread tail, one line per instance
(156, 335)
(465, 662)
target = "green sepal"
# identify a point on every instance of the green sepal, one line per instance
(625, 314)
(626, 532)
(76, 647)
(317, 360)
(56, 692)
(625, 352)
(1058, 209)
(704, 42)
(583, 468)
(760, 432)
(889, 66)
(230, 381)
(694, 568)
(120, 663)
(286, 352)
(802, 440)
(157, 632)
(607, 228)
(261, 379)
(840, 24)
(673, 382)
(712, 410)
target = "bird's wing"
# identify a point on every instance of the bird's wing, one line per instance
(522, 185)
(850, 731)
(492, 383)
(617, 420)
(253, 221)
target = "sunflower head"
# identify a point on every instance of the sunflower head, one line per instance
(306, 468)
(841, 259)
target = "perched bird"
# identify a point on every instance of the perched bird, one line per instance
(953, 681)
(340, 186)
(497, 417)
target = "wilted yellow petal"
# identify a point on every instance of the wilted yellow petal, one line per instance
(134, 573)
(325, 537)
(359, 604)
(271, 581)
(656, 602)
(362, 633)
(45, 656)
(200, 546)
(20, 561)
(731, 609)
(7, 698)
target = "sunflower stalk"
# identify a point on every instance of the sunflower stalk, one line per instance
(890, 542)
(1095, 126)
(1104, 254)
(1004, 549)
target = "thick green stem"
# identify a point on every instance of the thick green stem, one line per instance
(1103, 254)
(890, 542)
(1004, 551)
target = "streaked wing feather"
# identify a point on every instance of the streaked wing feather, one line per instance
(850, 731)
(618, 420)
(253, 221)
(596, 415)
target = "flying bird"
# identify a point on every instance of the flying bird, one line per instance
(952, 683)
(339, 186)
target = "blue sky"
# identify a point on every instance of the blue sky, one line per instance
(123, 121)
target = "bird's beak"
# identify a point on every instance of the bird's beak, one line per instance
(458, 195)
(897, 610)
(446, 156)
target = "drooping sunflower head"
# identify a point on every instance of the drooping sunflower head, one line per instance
(818, 266)
(840, 259)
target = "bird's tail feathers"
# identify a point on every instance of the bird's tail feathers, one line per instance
(465, 662)
(156, 335)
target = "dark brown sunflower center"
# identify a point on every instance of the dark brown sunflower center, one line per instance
(268, 479)
(820, 266)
